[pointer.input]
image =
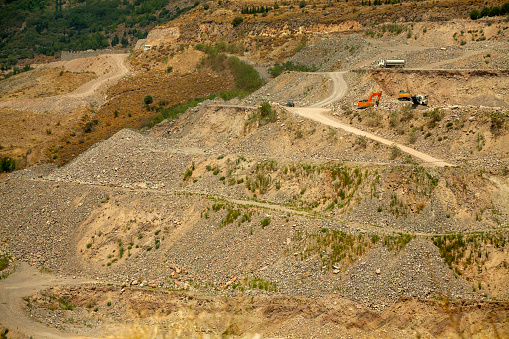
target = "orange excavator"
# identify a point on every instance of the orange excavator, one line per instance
(369, 102)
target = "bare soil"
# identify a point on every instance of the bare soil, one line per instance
(219, 222)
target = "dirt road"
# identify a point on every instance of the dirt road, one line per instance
(24, 282)
(340, 88)
(89, 93)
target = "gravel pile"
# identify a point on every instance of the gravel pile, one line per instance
(381, 277)
(303, 89)
(127, 159)
(40, 221)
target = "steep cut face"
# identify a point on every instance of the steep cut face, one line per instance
(448, 87)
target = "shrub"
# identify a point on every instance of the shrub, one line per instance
(237, 21)
(206, 6)
(395, 152)
(188, 173)
(485, 12)
(7, 164)
(412, 137)
(497, 122)
(302, 4)
(265, 222)
(474, 14)
(264, 114)
(277, 69)
(4, 261)
(148, 100)
(362, 141)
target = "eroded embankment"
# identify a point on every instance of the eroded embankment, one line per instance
(459, 87)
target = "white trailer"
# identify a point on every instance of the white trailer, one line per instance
(391, 63)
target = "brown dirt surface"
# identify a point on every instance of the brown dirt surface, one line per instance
(126, 98)
(224, 221)
(41, 83)
(270, 316)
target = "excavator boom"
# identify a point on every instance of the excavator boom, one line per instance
(369, 102)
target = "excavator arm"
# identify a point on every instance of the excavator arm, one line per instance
(369, 102)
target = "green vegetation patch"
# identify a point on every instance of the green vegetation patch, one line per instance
(334, 247)
(80, 25)
(5, 261)
(277, 69)
(459, 250)
(249, 283)
(398, 242)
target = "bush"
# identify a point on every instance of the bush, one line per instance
(148, 100)
(237, 21)
(206, 6)
(265, 222)
(265, 113)
(485, 12)
(277, 69)
(395, 152)
(302, 4)
(495, 11)
(7, 164)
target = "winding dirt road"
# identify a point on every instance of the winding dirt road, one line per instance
(89, 93)
(340, 89)
(26, 281)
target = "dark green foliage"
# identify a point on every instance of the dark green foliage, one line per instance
(266, 112)
(237, 21)
(7, 164)
(247, 79)
(148, 100)
(89, 126)
(265, 222)
(4, 261)
(255, 9)
(487, 11)
(115, 41)
(187, 174)
(77, 26)
(15, 70)
(277, 69)
(64, 305)
(174, 111)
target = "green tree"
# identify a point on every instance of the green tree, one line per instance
(237, 21)
(474, 14)
(485, 12)
(124, 42)
(148, 99)
(115, 40)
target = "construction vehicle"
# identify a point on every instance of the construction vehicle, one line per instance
(420, 99)
(404, 95)
(369, 102)
(388, 63)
